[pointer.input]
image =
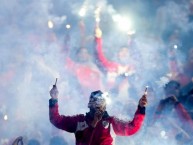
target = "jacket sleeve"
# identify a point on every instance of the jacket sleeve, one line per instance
(184, 117)
(182, 112)
(70, 65)
(108, 65)
(67, 123)
(126, 128)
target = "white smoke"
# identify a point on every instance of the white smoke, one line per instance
(31, 57)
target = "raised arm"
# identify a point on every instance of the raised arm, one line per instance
(67, 123)
(126, 128)
(184, 117)
(108, 65)
(182, 113)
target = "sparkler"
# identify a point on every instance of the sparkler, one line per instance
(97, 15)
(145, 92)
(55, 82)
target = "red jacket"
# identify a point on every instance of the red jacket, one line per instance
(102, 134)
(87, 75)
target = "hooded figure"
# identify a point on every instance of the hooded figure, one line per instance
(95, 127)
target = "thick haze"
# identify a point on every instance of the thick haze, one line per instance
(32, 55)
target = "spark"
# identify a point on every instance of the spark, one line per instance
(50, 24)
(126, 74)
(175, 46)
(146, 90)
(107, 98)
(5, 117)
(97, 14)
(97, 19)
(68, 26)
(163, 134)
(82, 12)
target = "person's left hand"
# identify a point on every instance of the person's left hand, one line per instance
(18, 140)
(54, 92)
(143, 101)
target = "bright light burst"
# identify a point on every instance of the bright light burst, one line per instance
(50, 24)
(175, 46)
(68, 26)
(97, 14)
(124, 23)
(163, 134)
(116, 17)
(97, 19)
(82, 12)
(107, 98)
(126, 74)
(146, 90)
(5, 117)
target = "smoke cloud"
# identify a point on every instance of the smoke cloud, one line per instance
(32, 55)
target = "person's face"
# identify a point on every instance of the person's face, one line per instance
(100, 109)
(124, 55)
(172, 90)
(83, 55)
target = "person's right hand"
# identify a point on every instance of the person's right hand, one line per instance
(54, 92)
(98, 32)
(143, 101)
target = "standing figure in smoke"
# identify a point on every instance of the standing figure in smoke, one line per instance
(96, 127)
(172, 116)
(121, 73)
(80, 67)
